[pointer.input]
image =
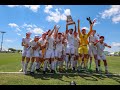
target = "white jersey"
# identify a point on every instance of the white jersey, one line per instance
(59, 44)
(92, 39)
(41, 41)
(33, 44)
(50, 42)
(76, 42)
(70, 39)
(26, 41)
(100, 48)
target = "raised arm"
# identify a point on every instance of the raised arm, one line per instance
(52, 31)
(79, 28)
(56, 32)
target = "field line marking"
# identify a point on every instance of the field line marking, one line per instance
(61, 73)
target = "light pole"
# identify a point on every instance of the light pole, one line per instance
(2, 32)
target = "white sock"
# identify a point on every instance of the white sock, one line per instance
(23, 65)
(45, 65)
(33, 67)
(96, 62)
(37, 65)
(66, 61)
(52, 64)
(75, 63)
(72, 61)
(55, 64)
(106, 68)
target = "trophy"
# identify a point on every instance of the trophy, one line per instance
(89, 20)
(69, 21)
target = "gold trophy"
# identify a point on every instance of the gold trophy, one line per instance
(70, 21)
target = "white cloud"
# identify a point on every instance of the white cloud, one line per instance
(37, 31)
(47, 8)
(12, 6)
(113, 12)
(9, 40)
(115, 44)
(56, 15)
(18, 34)
(13, 25)
(34, 8)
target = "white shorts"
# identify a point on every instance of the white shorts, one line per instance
(29, 54)
(102, 57)
(24, 52)
(49, 53)
(76, 51)
(36, 53)
(58, 53)
(92, 51)
(70, 49)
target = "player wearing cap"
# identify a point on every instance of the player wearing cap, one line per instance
(100, 53)
(83, 49)
(25, 43)
(92, 49)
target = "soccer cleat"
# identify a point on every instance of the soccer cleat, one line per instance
(32, 73)
(73, 68)
(38, 70)
(21, 70)
(106, 71)
(96, 70)
(44, 72)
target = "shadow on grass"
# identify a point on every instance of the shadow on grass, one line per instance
(87, 75)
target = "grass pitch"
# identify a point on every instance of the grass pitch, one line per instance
(11, 62)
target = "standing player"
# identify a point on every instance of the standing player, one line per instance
(92, 49)
(49, 55)
(100, 53)
(25, 43)
(76, 45)
(70, 47)
(83, 49)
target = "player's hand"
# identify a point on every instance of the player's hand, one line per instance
(78, 21)
(26, 45)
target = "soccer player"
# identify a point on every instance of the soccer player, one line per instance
(76, 45)
(100, 53)
(35, 49)
(70, 50)
(83, 49)
(58, 50)
(49, 55)
(42, 41)
(25, 43)
(92, 49)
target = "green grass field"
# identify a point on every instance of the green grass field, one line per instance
(11, 62)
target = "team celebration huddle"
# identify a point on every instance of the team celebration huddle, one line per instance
(56, 51)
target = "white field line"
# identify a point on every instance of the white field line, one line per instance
(62, 73)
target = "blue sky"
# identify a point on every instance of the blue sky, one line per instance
(16, 20)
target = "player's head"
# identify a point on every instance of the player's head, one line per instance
(44, 35)
(48, 32)
(59, 35)
(75, 34)
(28, 34)
(71, 31)
(83, 31)
(101, 38)
(36, 38)
(93, 32)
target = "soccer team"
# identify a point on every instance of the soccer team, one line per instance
(72, 48)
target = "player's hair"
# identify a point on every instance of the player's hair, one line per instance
(94, 30)
(60, 33)
(101, 37)
(71, 29)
